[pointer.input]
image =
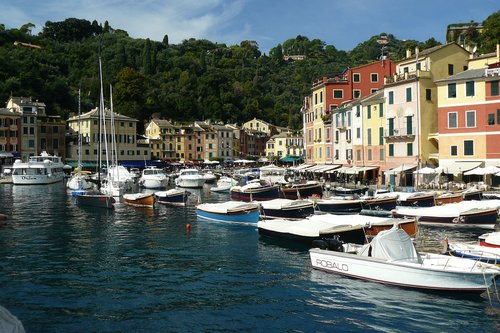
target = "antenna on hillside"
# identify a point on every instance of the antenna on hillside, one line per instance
(383, 41)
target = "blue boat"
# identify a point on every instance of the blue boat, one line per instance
(256, 190)
(172, 197)
(383, 203)
(229, 211)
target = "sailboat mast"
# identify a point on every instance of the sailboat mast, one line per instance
(100, 110)
(79, 135)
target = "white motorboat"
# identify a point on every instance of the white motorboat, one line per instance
(487, 249)
(209, 177)
(153, 177)
(224, 184)
(38, 170)
(391, 258)
(190, 178)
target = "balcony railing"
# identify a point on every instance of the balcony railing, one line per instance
(403, 132)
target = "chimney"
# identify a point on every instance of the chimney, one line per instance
(416, 50)
(408, 53)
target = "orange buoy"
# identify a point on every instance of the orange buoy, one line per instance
(188, 228)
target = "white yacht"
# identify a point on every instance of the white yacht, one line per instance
(38, 170)
(190, 178)
(153, 177)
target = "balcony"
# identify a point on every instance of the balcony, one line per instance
(399, 134)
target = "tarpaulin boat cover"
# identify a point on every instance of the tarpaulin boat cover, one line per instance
(392, 245)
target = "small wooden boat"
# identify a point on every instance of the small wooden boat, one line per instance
(286, 208)
(255, 190)
(172, 197)
(95, 200)
(456, 214)
(447, 198)
(391, 258)
(339, 205)
(302, 190)
(491, 239)
(349, 192)
(140, 199)
(472, 194)
(416, 199)
(230, 211)
(352, 228)
(476, 251)
(384, 202)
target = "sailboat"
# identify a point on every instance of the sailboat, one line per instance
(99, 198)
(118, 178)
(77, 183)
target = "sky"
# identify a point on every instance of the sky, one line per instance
(342, 23)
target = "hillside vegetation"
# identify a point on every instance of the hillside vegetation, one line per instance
(193, 80)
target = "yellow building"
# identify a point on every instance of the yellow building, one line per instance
(373, 132)
(285, 145)
(127, 147)
(261, 126)
(160, 134)
(319, 117)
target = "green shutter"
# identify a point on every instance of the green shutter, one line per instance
(409, 125)
(381, 135)
(391, 126)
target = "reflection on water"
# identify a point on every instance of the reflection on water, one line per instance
(78, 269)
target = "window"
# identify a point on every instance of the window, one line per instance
(320, 97)
(391, 149)
(409, 149)
(494, 88)
(498, 116)
(381, 154)
(356, 93)
(409, 125)
(369, 154)
(374, 77)
(469, 88)
(338, 93)
(380, 136)
(470, 118)
(468, 147)
(452, 120)
(428, 94)
(55, 144)
(369, 111)
(356, 77)
(450, 69)
(391, 126)
(333, 107)
(452, 90)
(315, 102)
(491, 119)
(453, 151)
(358, 155)
(381, 110)
(391, 97)
(358, 133)
(369, 136)
(408, 94)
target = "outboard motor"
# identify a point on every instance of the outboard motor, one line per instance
(321, 244)
(335, 245)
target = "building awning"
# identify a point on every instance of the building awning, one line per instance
(401, 168)
(327, 167)
(290, 159)
(357, 169)
(302, 167)
(343, 169)
(460, 167)
(5, 154)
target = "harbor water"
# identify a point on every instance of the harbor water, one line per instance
(70, 269)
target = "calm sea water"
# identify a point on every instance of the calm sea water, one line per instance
(71, 269)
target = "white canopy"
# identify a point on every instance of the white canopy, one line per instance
(460, 167)
(489, 170)
(244, 161)
(426, 171)
(393, 244)
(399, 169)
(210, 162)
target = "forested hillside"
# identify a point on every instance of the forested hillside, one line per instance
(193, 80)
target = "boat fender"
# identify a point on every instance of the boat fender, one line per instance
(335, 245)
(319, 243)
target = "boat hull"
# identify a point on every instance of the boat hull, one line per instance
(245, 216)
(339, 206)
(95, 200)
(288, 213)
(385, 204)
(302, 192)
(409, 275)
(419, 201)
(446, 199)
(140, 201)
(477, 218)
(256, 194)
(177, 199)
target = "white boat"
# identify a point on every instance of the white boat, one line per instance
(190, 178)
(209, 177)
(473, 250)
(38, 170)
(78, 181)
(391, 258)
(224, 184)
(153, 177)
(273, 174)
